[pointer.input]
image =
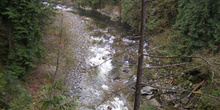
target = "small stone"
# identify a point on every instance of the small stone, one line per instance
(109, 108)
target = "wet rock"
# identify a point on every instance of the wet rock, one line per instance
(109, 108)
(147, 90)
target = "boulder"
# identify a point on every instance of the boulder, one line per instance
(147, 90)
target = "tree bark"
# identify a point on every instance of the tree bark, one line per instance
(120, 10)
(9, 27)
(140, 58)
(9, 36)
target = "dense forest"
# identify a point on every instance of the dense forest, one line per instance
(183, 39)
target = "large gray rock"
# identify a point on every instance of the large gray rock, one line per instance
(147, 90)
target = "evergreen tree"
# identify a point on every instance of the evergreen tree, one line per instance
(23, 21)
(131, 12)
(197, 25)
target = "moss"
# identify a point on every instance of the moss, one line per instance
(150, 107)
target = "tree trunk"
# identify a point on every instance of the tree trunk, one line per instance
(9, 36)
(58, 57)
(120, 10)
(9, 27)
(140, 58)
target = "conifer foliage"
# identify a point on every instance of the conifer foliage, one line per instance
(22, 19)
(197, 25)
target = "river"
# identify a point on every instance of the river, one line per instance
(103, 76)
(108, 69)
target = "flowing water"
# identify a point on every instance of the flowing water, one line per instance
(109, 62)
(109, 69)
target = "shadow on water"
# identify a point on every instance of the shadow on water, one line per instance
(101, 18)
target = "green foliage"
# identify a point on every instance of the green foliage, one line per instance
(150, 107)
(21, 102)
(2, 83)
(24, 21)
(58, 100)
(15, 97)
(131, 12)
(58, 103)
(161, 14)
(197, 25)
(92, 3)
(26, 35)
(96, 3)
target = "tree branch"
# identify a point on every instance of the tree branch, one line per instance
(208, 62)
(152, 49)
(165, 66)
(216, 97)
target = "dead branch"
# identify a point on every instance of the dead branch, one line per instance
(216, 97)
(126, 50)
(155, 48)
(207, 61)
(165, 66)
(198, 87)
(95, 66)
(191, 69)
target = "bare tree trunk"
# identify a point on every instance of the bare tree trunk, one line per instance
(120, 10)
(9, 31)
(140, 58)
(58, 56)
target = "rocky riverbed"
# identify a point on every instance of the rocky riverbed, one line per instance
(96, 63)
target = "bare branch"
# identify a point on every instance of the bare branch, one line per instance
(58, 57)
(216, 97)
(208, 62)
(165, 66)
(126, 50)
(153, 49)
(95, 66)
(198, 87)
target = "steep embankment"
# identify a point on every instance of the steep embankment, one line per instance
(66, 47)
(189, 82)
